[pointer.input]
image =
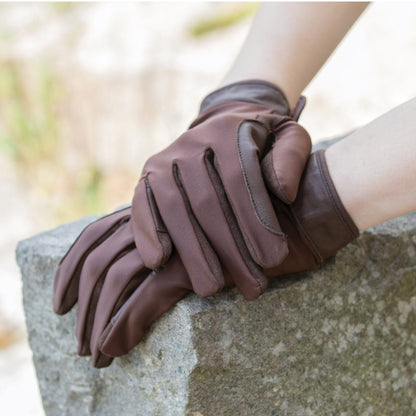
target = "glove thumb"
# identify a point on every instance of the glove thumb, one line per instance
(283, 165)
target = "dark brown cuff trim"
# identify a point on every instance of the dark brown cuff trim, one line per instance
(319, 210)
(251, 91)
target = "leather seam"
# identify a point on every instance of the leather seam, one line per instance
(278, 183)
(149, 189)
(92, 247)
(306, 235)
(210, 153)
(160, 232)
(95, 294)
(269, 227)
(193, 219)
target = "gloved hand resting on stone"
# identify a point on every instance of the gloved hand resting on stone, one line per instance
(205, 194)
(119, 297)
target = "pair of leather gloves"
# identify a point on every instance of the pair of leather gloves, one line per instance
(238, 198)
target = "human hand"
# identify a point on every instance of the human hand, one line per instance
(102, 271)
(119, 298)
(316, 225)
(205, 194)
(103, 262)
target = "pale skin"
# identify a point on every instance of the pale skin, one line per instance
(374, 168)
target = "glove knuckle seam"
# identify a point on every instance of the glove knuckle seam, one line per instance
(265, 224)
(151, 200)
(216, 269)
(244, 247)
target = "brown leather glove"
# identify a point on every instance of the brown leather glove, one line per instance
(205, 194)
(317, 224)
(119, 298)
(101, 271)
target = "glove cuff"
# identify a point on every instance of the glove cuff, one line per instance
(326, 224)
(251, 91)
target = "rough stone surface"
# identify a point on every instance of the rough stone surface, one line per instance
(340, 341)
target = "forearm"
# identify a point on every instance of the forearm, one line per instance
(289, 42)
(374, 169)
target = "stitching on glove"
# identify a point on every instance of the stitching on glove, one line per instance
(272, 179)
(73, 285)
(206, 248)
(157, 218)
(102, 360)
(92, 305)
(89, 227)
(242, 158)
(305, 236)
(229, 214)
(162, 233)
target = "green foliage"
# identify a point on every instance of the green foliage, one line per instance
(223, 20)
(30, 135)
(62, 7)
(29, 130)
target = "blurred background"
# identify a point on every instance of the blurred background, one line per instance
(88, 91)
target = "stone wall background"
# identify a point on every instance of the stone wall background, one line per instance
(127, 80)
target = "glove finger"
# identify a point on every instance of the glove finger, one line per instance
(66, 282)
(195, 251)
(122, 279)
(159, 292)
(242, 180)
(92, 278)
(152, 239)
(283, 166)
(220, 225)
